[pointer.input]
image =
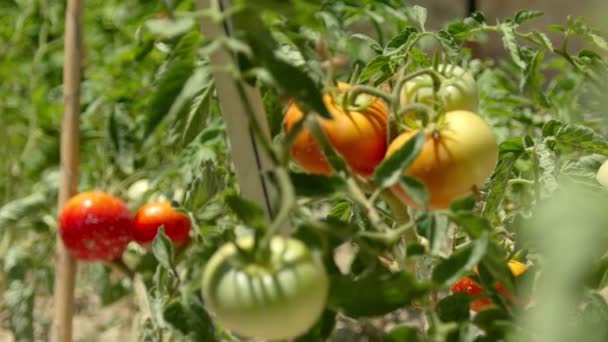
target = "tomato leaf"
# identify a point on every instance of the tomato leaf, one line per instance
(510, 43)
(391, 170)
(417, 16)
(308, 185)
(449, 270)
(373, 67)
(498, 185)
(334, 158)
(578, 137)
(475, 225)
(247, 211)
(377, 293)
(526, 15)
(454, 308)
(403, 333)
(415, 189)
(162, 248)
(491, 319)
(177, 71)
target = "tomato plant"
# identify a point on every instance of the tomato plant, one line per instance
(95, 226)
(156, 214)
(279, 296)
(394, 158)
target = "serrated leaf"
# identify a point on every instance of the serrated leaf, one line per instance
(177, 71)
(162, 248)
(551, 128)
(526, 15)
(402, 38)
(390, 291)
(208, 183)
(582, 138)
(175, 314)
(417, 15)
(548, 163)
(449, 270)
(543, 38)
(19, 299)
(308, 185)
(200, 322)
(450, 45)
(391, 170)
(511, 45)
(373, 67)
(498, 185)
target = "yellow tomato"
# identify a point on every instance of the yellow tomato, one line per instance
(460, 155)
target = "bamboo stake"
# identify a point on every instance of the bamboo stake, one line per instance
(65, 264)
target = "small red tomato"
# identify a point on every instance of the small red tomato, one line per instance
(153, 215)
(466, 284)
(95, 226)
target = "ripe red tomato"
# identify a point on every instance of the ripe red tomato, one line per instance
(467, 285)
(95, 226)
(460, 155)
(153, 215)
(359, 134)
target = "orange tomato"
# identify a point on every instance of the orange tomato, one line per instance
(461, 154)
(153, 215)
(358, 134)
(467, 285)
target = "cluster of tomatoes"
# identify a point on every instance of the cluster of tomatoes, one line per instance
(459, 154)
(96, 226)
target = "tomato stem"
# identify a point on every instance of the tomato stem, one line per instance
(402, 217)
(355, 91)
(287, 198)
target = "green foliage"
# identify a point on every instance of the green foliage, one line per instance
(151, 128)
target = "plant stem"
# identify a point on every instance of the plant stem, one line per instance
(355, 91)
(287, 198)
(402, 217)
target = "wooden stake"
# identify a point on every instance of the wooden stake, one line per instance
(250, 161)
(65, 264)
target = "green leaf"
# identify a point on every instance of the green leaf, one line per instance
(417, 15)
(526, 15)
(454, 308)
(192, 105)
(548, 163)
(167, 28)
(450, 45)
(402, 333)
(498, 185)
(175, 314)
(200, 322)
(377, 293)
(16, 210)
(401, 39)
(551, 128)
(19, 300)
(373, 44)
(475, 225)
(308, 185)
(391, 170)
(204, 186)
(448, 271)
(415, 189)
(581, 138)
(333, 157)
(177, 71)
(341, 211)
(511, 45)
(247, 211)
(120, 129)
(514, 146)
(491, 319)
(107, 291)
(373, 67)
(162, 248)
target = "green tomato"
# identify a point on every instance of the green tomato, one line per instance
(458, 89)
(279, 298)
(602, 174)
